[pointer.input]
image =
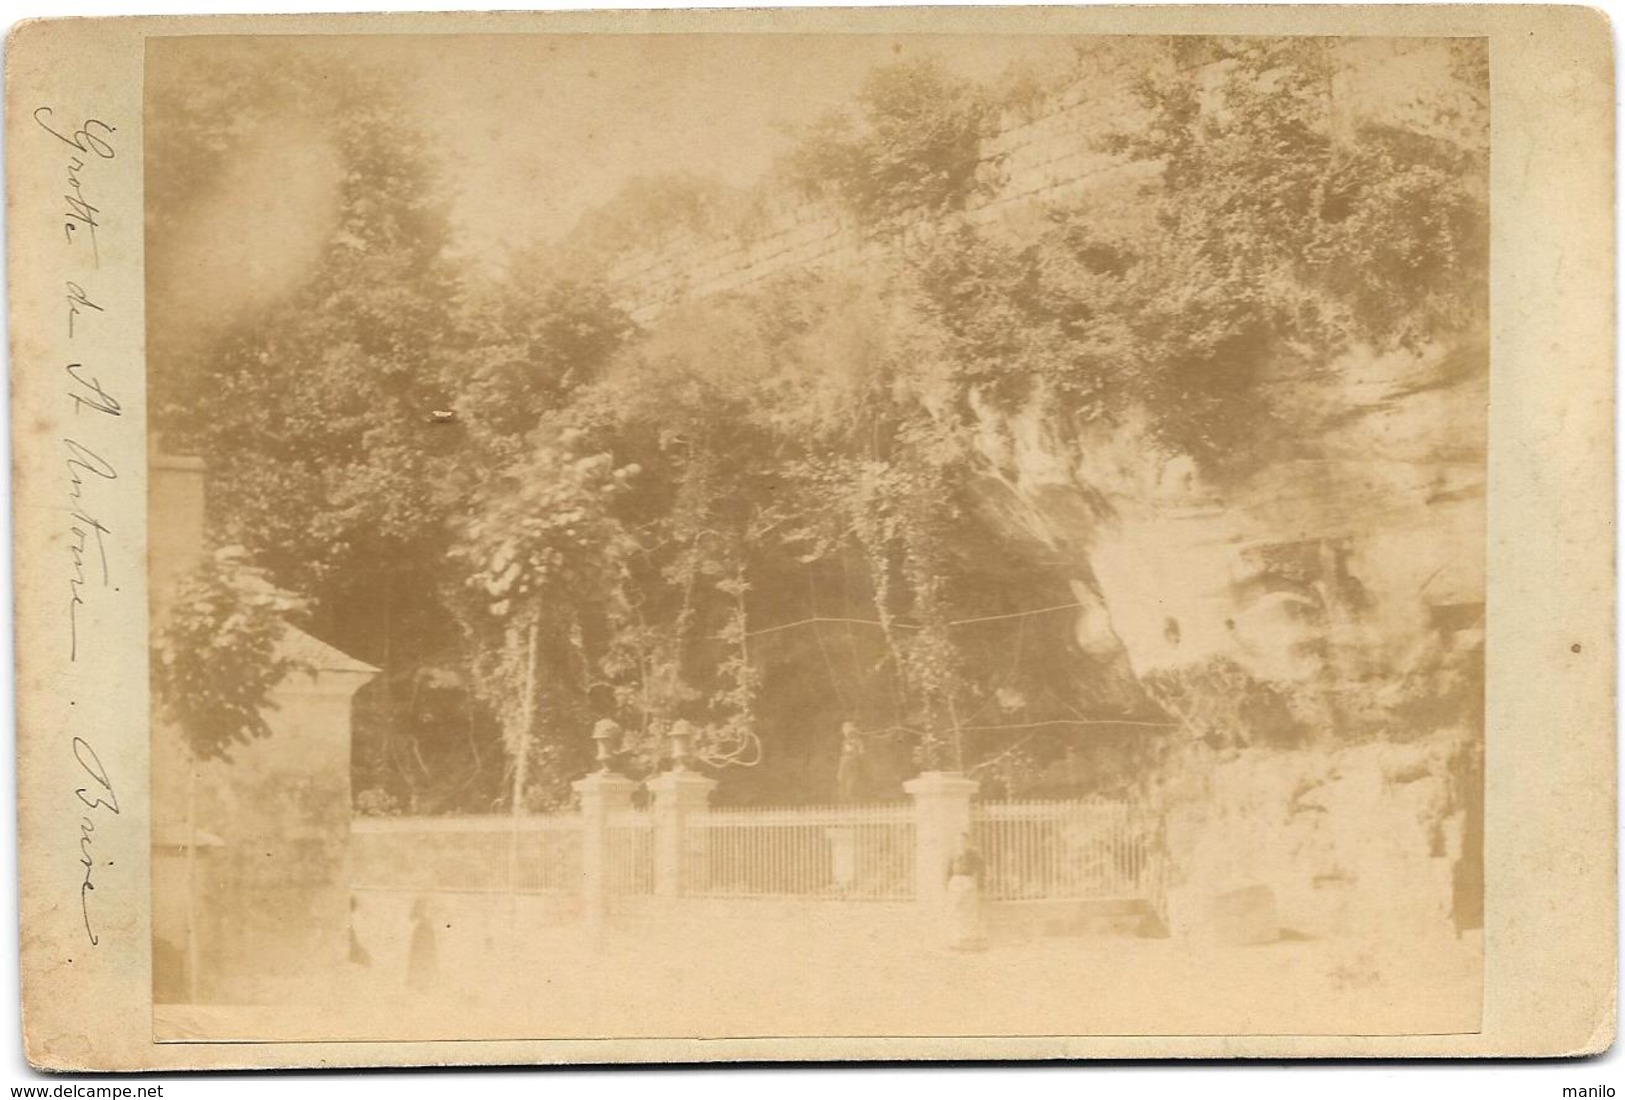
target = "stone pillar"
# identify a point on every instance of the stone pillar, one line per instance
(941, 816)
(604, 795)
(677, 795)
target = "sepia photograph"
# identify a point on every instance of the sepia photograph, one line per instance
(828, 535)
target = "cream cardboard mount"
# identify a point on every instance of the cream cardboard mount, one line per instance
(1206, 649)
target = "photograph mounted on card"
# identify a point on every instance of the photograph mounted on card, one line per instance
(866, 534)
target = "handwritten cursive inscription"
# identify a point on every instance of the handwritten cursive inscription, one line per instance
(83, 463)
(97, 797)
(78, 302)
(91, 141)
(88, 393)
(88, 386)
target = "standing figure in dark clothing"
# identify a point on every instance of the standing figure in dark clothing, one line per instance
(422, 962)
(964, 898)
(849, 770)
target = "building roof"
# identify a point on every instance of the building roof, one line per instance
(298, 646)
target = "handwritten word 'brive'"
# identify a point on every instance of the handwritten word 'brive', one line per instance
(96, 798)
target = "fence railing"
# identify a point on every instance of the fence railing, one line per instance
(629, 855)
(467, 854)
(1055, 850)
(808, 852)
(1065, 850)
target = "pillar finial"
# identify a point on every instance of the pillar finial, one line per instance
(606, 734)
(682, 736)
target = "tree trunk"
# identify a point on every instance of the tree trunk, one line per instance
(521, 766)
(191, 880)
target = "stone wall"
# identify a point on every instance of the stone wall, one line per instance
(1379, 839)
(272, 826)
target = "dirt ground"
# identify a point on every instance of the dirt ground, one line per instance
(845, 974)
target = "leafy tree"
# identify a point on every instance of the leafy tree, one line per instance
(764, 515)
(676, 645)
(544, 553)
(333, 390)
(215, 658)
(915, 147)
(314, 409)
(530, 343)
(784, 445)
(1379, 224)
(1277, 233)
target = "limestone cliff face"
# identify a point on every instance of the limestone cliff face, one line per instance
(1316, 625)
(1334, 568)
(1331, 571)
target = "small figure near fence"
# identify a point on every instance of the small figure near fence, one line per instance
(359, 955)
(963, 898)
(422, 960)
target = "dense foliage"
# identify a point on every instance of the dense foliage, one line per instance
(1273, 236)
(216, 657)
(914, 148)
(764, 514)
